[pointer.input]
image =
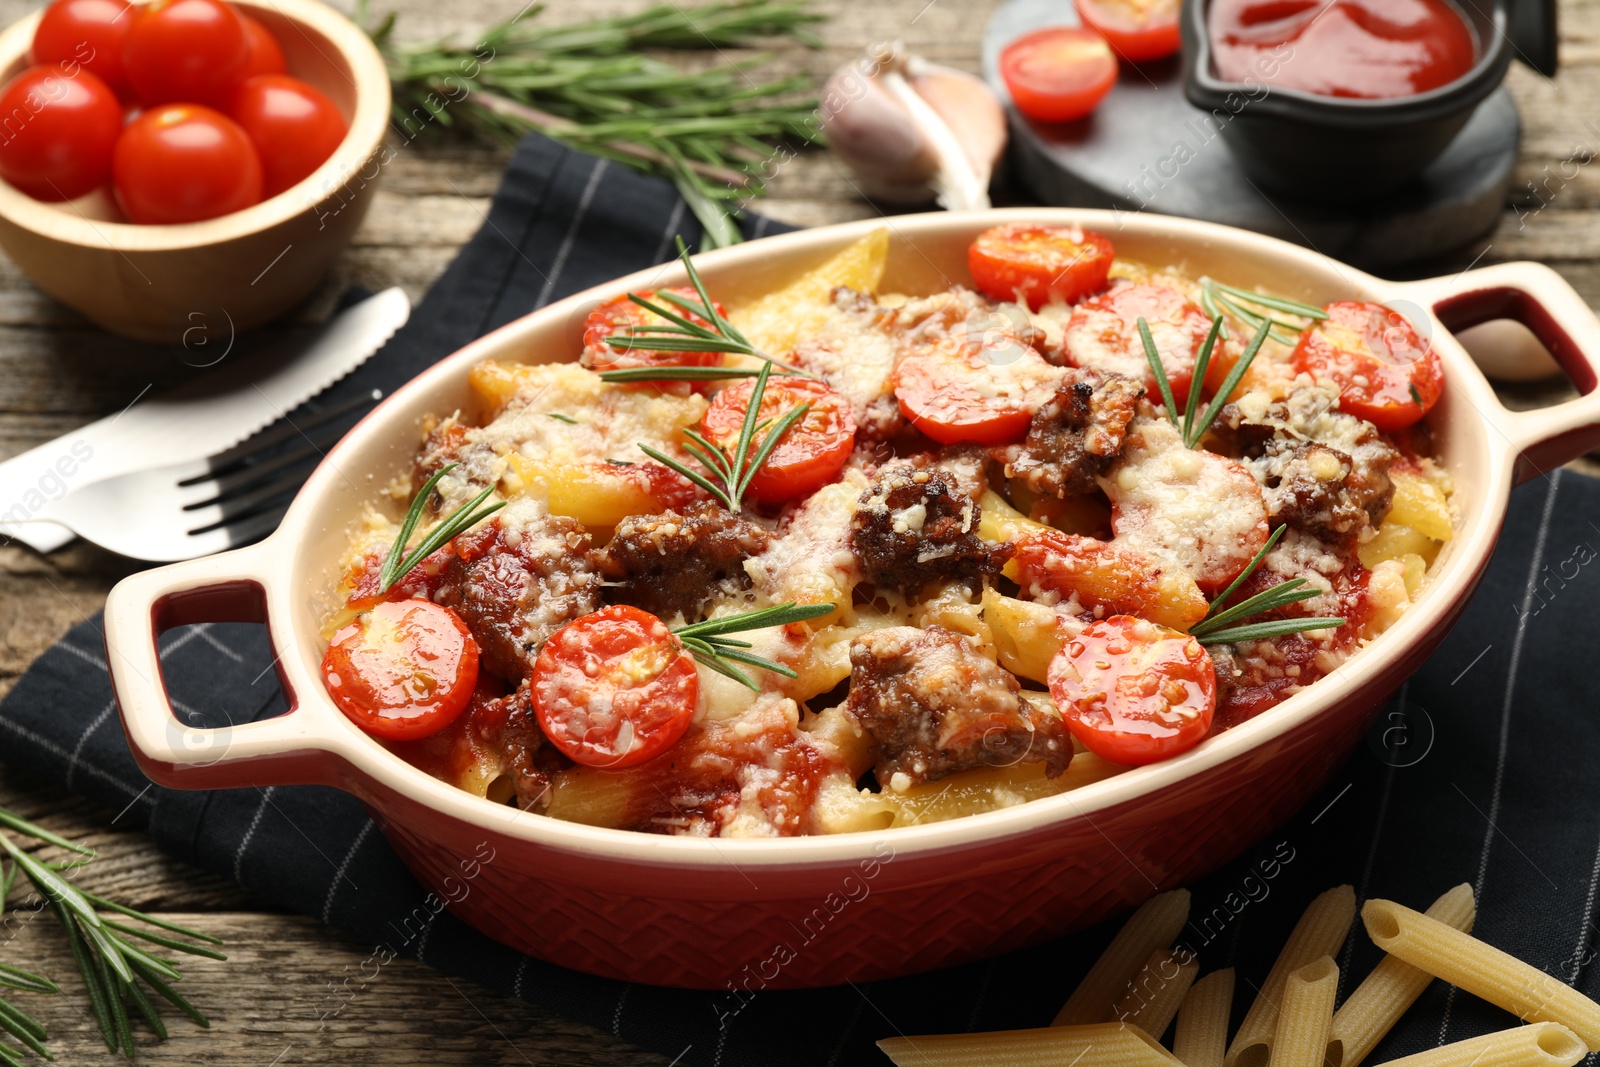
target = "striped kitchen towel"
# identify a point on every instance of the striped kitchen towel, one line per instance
(1482, 770)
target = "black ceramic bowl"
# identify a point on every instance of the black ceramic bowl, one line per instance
(1334, 148)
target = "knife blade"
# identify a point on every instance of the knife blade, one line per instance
(194, 421)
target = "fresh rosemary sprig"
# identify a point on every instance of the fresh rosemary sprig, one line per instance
(1191, 428)
(706, 643)
(733, 470)
(1218, 627)
(111, 966)
(592, 85)
(397, 564)
(1214, 296)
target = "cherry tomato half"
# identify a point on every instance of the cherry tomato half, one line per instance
(1058, 74)
(981, 392)
(186, 50)
(183, 163)
(403, 670)
(265, 55)
(1138, 30)
(1103, 334)
(1039, 264)
(91, 33)
(614, 688)
(809, 454)
(1385, 372)
(1134, 692)
(621, 315)
(66, 130)
(293, 126)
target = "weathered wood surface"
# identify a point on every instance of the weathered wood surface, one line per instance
(56, 372)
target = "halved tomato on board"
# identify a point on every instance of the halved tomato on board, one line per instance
(614, 688)
(1058, 74)
(1039, 263)
(617, 317)
(1134, 692)
(809, 454)
(983, 392)
(1386, 373)
(1138, 30)
(403, 669)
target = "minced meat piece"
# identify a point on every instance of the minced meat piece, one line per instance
(1075, 435)
(936, 705)
(676, 561)
(508, 723)
(515, 588)
(915, 525)
(441, 446)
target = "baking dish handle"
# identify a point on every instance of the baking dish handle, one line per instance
(1543, 301)
(285, 750)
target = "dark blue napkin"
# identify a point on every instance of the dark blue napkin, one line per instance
(1482, 770)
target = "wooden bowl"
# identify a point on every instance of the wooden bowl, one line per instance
(234, 272)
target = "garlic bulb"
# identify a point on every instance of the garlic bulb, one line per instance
(914, 131)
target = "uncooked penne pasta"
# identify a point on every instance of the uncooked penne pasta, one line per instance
(1301, 1037)
(1157, 991)
(1320, 932)
(1202, 1034)
(1097, 1045)
(1154, 926)
(1370, 1012)
(1481, 969)
(1534, 1045)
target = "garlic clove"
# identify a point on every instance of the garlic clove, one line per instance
(914, 131)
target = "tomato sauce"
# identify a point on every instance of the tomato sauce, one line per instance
(1372, 49)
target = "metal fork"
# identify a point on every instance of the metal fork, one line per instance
(192, 509)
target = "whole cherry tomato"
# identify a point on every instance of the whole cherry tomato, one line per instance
(1039, 263)
(293, 126)
(614, 688)
(403, 670)
(191, 51)
(266, 55)
(808, 456)
(91, 33)
(1386, 373)
(183, 163)
(61, 130)
(1058, 74)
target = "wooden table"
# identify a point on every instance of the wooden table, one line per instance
(57, 372)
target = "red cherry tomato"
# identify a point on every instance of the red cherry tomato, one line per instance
(614, 688)
(1138, 30)
(1385, 372)
(266, 55)
(982, 392)
(60, 132)
(1103, 334)
(1134, 692)
(186, 50)
(1039, 263)
(1058, 74)
(619, 316)
(293, 126)
(403, 670)
(809, 454)
(91, 33)
(183, 163)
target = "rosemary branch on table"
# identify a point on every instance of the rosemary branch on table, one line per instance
(589, 85)
(114, 970)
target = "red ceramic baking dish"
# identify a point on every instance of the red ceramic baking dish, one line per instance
(820, 910)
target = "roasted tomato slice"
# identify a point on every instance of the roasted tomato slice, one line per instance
(1385, 372)
(1039, 264)
(1138, 30)
(1134, 692)
(614, 688)
(809, 454)
(1103, 334)
(1058, 74)
(620, 315)
(404, 669)
(983, 391)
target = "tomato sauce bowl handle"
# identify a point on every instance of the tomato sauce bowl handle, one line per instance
(1543, 301)
(286, 750)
